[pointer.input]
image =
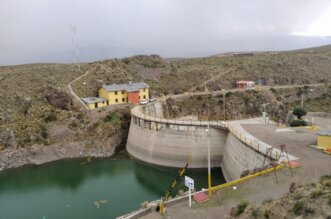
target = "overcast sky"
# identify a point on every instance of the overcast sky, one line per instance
(39, 30)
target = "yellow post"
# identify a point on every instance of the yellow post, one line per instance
(209, 184)
(161, 208)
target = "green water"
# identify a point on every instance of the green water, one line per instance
(67, 189)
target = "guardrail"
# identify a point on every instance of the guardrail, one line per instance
(138, 112)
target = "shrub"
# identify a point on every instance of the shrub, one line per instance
(241, 207)
(298, 207)
(273, 90)
(299, 112)
(111, 117)
(298, 122)
(256, 212)
(50, 117)
(44, 132)
(267, 213)
(316, 193)
(309, 210)
(326, 180)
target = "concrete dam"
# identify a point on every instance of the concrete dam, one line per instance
(170, 142)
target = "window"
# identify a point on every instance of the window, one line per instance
(116, 100)
(144, 89)
(144, 97)
(122, 91)
(139, 97)
(115, 92)
(126, 99)
(107, 103)
(123, 99)
(96, 105)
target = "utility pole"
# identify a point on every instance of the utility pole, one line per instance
(209, 171)
(224, 105)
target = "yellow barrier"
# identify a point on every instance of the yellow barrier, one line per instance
(222, 186)
(312, 128)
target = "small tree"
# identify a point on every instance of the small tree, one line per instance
(299, 112)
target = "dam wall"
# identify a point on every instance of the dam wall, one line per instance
(238, 157)
(170, 142)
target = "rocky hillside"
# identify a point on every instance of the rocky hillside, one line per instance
(241, 104)
(35, 109)
(303, 201)
(35, 102)
(176, 76)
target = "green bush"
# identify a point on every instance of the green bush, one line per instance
(298, 122)
(299, 112)
(298, 207)
(50, 117)
(326, 180)
(316, 193)
(267, 213)
(112, 117)
(309, 210)
(241, 207)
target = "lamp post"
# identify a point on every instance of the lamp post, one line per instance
(209, 172)
(224, 105)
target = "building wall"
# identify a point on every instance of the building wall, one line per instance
(143, 93)
(103, 93)
(112, 96)
(133, 97)
(324, 142)
(101, 104)
(120, 96)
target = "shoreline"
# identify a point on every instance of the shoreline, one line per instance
(41, 154)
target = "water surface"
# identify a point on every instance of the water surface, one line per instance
(68, 189)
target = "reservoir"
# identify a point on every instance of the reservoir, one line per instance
(70, 188)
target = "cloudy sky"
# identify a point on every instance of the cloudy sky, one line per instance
(39, 30)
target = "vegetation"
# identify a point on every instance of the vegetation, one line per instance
(298, 207)
(299, 112)
(112, 117)
(307, 201)
(241, 207)
(35, 101)
(298, 122)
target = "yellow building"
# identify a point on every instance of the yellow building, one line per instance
(124, 93)
(324, 140)
(118, 94)
(95, 102)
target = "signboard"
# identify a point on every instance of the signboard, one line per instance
(189, 182)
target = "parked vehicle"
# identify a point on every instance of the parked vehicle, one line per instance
(143, 102)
